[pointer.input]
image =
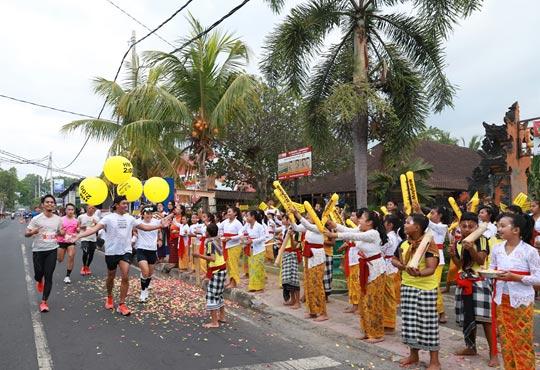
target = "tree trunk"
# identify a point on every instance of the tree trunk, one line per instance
(360, 125)
(203, 180)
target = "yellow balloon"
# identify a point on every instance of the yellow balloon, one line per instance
(118, 169)
(156, 189)
(132, 189)
(93, 191)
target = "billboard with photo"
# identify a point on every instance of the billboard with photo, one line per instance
(294, 164)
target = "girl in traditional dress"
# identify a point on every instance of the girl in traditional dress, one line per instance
(519, 264)
(232, 229)
(371, 236)
(393, 277)
(292, 256)
(254, 237)
(183, 244)
(419, 317)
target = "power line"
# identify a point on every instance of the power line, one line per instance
(214, 25)
(138, 22)
(45, 106)
(17, 159)
(120, 68)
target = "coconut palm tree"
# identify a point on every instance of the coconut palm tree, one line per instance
(474, 143)
(379, 81)
(208, 76)
(141, 109)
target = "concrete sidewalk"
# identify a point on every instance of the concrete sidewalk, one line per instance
(345, 327)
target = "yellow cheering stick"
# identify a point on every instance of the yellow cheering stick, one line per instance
(299, 207)
(475, 201)
(330, 206)
(284, 199)
(351, 224)
(314, 218)
(412, 187)
(336, 217)
(405, 194)
(503, 206)
(520, 200)
(455, 207)
(384, 210)
(263, 206)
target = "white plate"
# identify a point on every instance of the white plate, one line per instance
(489, 274)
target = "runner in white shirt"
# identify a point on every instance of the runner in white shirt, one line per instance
(47, 226)
(88, 244)
(146, 246)
(119, 226)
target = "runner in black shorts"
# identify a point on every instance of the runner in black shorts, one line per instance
(88, 244)
(146, 245)
(119, 227)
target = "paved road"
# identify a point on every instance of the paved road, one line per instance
(164, 333)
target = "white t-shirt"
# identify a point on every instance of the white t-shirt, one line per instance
(48, 228)
(87, 222)
(118, 234)
(148, 239)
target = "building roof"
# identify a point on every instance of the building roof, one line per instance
(452, 165)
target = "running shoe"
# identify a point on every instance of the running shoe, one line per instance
(88, 271)
(67, 280)
(123, 309)
(83, 271)
(143, 296)
(40, 285)
(109, 304)
(43, 306)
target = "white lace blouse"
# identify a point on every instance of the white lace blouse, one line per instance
(389, 249)
(523, 258)
(313, 236)
(353, 251)
(439, 231)
(370, 245)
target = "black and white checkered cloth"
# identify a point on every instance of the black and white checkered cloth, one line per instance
(481, 301)
(289, 270)
(328, 275)
(214, 291)
(419, 318)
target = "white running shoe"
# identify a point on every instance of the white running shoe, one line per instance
(67, 280)
(143, 296)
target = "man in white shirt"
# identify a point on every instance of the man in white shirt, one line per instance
(88, 244)
(119, 227)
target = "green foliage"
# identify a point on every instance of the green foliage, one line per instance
(436, 134)
(8, 187)
(534, 179)
(474, 143)
(385, 185)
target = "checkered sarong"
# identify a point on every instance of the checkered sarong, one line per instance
(419, 318)
(481, 302)
(214, 291)
(289, 270)
(327, 280)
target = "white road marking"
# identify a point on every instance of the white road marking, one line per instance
(43, 354)
(319, 362)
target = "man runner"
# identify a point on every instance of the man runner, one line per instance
(47, 226)
(88, 243)
(119, 226)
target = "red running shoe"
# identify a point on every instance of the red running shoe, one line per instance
(123, 309)
(83, 270)
(40, 285)
(43, 306)
(88, 271)
(109, 304)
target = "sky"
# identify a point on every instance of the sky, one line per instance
(51, 51)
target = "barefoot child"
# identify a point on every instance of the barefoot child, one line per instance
(216, 274)
(289, 267)
(473, 293)
(519, 263)
(420, 320)
(393, 278)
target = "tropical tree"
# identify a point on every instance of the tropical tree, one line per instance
(382, 77)
(438, 135)
(141, 108)
(474, 143)
(208, 76)
(386, 185)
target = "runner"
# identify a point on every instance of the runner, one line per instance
(44, 247)
(119, 226)
(66, 241)
(88, 244)
(146, 245)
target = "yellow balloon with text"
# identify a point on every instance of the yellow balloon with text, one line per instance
(131, 189)
(156, 189)
(93, 191)
(118, 169)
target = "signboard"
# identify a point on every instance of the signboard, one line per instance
(294, 164)
(58, 186)
(536, 139)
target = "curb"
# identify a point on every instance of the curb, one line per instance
(251, 301)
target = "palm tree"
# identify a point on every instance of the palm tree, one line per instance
(209, 78)
(381, 78)
(141, 108)
(386, 185)
(436, 134)
(474, 143)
